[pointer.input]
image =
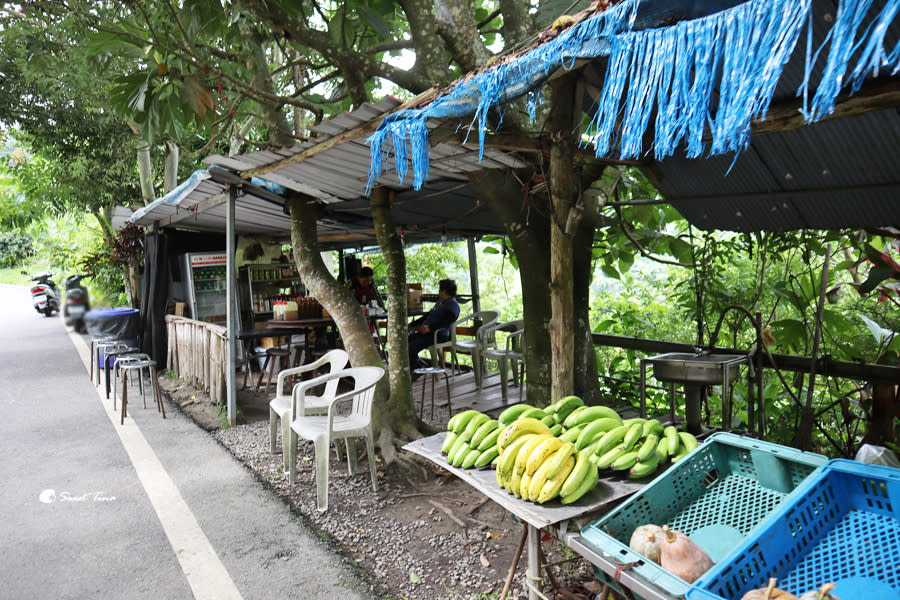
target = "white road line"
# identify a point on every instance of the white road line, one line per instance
(204, 571)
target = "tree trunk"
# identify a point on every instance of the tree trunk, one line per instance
(337, 299)
(585, 366)
(170, 175)
(398, 415)
(563, 224)
(528, 232)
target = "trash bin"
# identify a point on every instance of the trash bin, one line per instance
(121, 322)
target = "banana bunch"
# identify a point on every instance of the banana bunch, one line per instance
(553, 416)
(640, 447)
(536, 465)
(471, 440)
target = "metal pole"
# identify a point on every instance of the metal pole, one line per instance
(231, 301)
(473, 275)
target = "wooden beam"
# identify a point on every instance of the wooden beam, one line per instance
(351, 134)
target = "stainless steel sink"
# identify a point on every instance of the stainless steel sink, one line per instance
(699, 369)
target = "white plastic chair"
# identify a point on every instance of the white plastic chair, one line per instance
(510, 355)
(336, 425)
(473, 346)
(280, 405)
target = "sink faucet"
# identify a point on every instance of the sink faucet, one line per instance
(715, 335)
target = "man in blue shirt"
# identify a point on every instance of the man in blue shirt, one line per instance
(439, 319)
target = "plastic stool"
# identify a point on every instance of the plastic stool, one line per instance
(433, 373)
(282, 355)
(139, 366)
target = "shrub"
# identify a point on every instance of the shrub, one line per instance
(14, 248)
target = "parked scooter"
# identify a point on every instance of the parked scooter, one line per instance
(44, 294)
(77, 303)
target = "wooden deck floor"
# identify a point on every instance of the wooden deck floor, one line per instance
(465, 395)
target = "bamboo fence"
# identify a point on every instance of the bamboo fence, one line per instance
(196, 353)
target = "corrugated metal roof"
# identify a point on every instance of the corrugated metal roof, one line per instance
(445, 206)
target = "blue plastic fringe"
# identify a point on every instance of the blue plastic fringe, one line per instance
(710, 75)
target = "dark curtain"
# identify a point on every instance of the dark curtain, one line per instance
(155, 296)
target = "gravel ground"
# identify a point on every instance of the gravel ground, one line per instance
(423, 535)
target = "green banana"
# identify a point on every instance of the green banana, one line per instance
(662, 448)
(526, 450)
(490, 439)
(565, 406)
(540, 453)
(633, 435)
(508, 455)
(455, 448)
(648, 447)
(672, 437)
(688, 440)
(474, 423)
(470, 458)
(486, 457)
(579, 472)
(448, 442)
(459, 421)
(570, 435)
(682, 452)
(625, 461)
(587, 484)
(556, 430)
(634, 420)
(607, 459)
(549, 420)
(569, 421)
(645, 468)
(518, 428)
(609, 439)
(653, 426)
(559, 458)
(483, 430)
(456, 456)
(553, 484)
(512, 413)
(595, 428)
(533, 413)
(592, 413)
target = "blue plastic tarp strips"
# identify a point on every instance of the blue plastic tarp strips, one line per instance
(122, 322)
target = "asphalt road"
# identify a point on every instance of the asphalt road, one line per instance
(151, 509)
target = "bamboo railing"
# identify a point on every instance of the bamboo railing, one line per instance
(196, 353)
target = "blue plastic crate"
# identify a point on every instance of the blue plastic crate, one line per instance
(842, 526)
(716, 495)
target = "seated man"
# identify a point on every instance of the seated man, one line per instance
(439, 318)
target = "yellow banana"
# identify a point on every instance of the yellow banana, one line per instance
(559, 458)
(553, 484)
(538, 479)
(513, 484)
(523, 486)
(540, 453)
(582, 467)
(518, 428)
(508, 456)
(587, 484)
(525, 451)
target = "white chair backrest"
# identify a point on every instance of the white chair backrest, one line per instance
(487, 318)
(363, 392)
(490, 338)
(337, 359)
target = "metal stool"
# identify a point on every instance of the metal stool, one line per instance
(121, 361)
(139, 365)
(95, 353)
(109, 348)
(433, 373)
(252, 356)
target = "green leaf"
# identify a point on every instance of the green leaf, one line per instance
(681, 250)
(414, 577)
(883, 337)
(374, 19)
(876, 276)
(610, 271)
(789, 332)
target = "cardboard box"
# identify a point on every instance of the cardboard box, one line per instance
(414, 296)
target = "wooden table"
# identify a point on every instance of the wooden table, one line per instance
(552, 516)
